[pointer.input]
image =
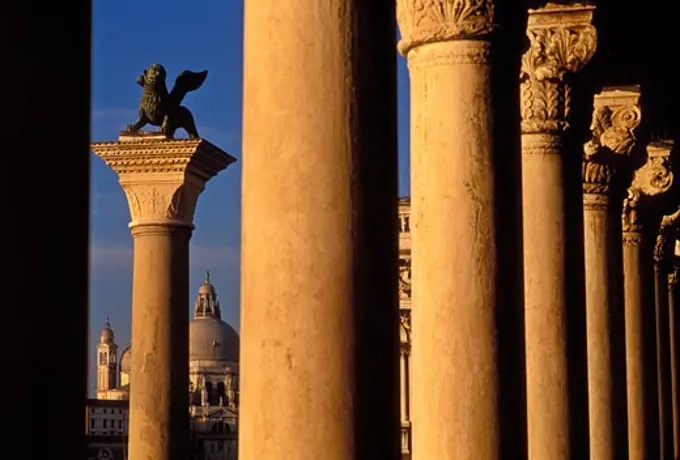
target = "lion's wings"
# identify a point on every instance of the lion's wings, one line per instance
(186, 81)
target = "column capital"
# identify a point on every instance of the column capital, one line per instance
(673, 278)
(562, 40)
(162, 178)
(664, 249)
(430, 21)
(616, 117)
(651, 180)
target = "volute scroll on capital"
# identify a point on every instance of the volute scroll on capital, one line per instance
(616, 117)
(666, 238)
(430, 21)
(562, 40)
(654, 179)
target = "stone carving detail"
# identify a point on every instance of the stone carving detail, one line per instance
(162, 201)
(612, 137)
(665, 240)
(673, 278)
(405, 281)
(428, 21)
(561, 40)
(654, 178)
(405, 330)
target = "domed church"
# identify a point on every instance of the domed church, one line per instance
(213, 373)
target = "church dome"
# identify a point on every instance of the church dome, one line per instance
(125, 360)
(212, 339)
(107, 334)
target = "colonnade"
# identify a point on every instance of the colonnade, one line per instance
(320, 312)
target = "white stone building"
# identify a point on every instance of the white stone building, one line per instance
(213, 387)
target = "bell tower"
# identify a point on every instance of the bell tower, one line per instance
(106, 362)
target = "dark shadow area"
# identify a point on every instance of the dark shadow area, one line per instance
(45, 182)
(509, 43)
(375, 227)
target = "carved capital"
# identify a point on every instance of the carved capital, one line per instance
(562, 40)
(162, 178)
(616, 117)
(665, 240)
(651, 180)
(673, 278)
(429, 21)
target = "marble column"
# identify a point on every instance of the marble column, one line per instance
(663, 258)
(561, 40)
(319, 370)
(651, 180)
(162, 179)
(455, 411)
(616, 116)
(673, 342)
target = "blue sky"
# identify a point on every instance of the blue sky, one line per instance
(203, 35)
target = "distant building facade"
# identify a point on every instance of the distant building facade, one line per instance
(213, 387)
(405, 324)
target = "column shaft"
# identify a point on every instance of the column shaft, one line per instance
(160, 333)
(673, 342)
(319, 314)
(455, 373)
(545, 296)
(665, 400)
(598, 239)
(641, 391)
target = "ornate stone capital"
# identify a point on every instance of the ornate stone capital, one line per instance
(562, 40)
(673, 278)
(665, 240)
(652, 179)
(616, 117)
(162, 178)
(429, 21)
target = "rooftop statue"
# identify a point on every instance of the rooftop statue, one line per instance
(160, 108)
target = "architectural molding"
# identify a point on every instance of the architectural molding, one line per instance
(651, 180)
(616, 117)
(430, 21)
(162, 178)
(673, 278)
(562, 40)
(664, 249)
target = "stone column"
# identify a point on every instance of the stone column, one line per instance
(616, 115)
(673, 341)
(561, 40)
(663, 259)
(162, 180)
(319, 369)
(455, 411)
(651, 180)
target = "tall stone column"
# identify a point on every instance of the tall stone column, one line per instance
(319, 369)
(455, 411)
(673, 342)
(162, 180)
(616, 116)
(663, 259)
(653, 179)
(561, 40)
